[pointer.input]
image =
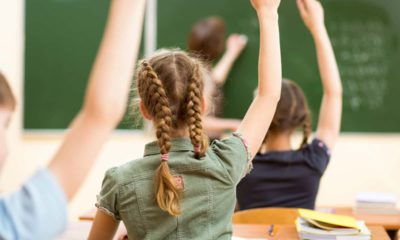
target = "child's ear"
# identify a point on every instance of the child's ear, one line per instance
(144, 111)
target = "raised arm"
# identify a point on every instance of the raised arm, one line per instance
(235, 45)
(106, 96)
(331, 106)
(259, 116)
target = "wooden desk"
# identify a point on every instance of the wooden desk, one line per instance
(80, 230)
(288, 232)
(389, 222)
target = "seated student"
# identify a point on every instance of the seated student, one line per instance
(183, 188)
(284, 176)
(38, 210)
(207, 40)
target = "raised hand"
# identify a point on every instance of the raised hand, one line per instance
(312, 13)
(329, 121)
(261, 5)
(235, 44)
(257, 120)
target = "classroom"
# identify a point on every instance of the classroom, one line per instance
(346, 123)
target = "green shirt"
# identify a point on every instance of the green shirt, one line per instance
(209, 195)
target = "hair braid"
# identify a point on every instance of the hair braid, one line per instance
(306, 130)
(170, 86)
(194, 113)
(167, 192)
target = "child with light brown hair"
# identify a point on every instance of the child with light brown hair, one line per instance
(183, 188)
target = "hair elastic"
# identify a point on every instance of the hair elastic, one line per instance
(197, 148)
(165, 157)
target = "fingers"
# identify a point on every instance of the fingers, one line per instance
(233, 36)
(302, 8)
(244, 39)
(238, 39)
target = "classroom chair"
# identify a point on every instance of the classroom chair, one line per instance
(266, 216)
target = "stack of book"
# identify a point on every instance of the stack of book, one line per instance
(312, 225)
(376, 203)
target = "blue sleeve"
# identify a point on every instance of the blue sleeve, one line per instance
(37, 211)
(317, 155)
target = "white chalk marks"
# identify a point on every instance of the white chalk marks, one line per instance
(362, 48)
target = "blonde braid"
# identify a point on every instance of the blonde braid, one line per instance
(168, 194)
(194, 113)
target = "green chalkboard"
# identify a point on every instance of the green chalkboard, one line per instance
(62, 38)
(365, 35)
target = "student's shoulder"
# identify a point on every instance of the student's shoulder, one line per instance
(232, 154)
(234, 142)
(317, 154)
(318, 147)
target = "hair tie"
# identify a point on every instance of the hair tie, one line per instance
(165, 157)
(197, 149)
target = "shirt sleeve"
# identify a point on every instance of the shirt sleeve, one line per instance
(234, 156)
(107, 200)
(318, 155)
(37, 211)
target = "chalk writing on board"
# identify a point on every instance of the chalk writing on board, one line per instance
(362, 50)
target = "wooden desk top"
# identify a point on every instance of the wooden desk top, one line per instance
(80, 230)
(288, 232)
(389, 222)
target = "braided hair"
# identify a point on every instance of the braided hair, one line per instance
(170, 85)
(292, 113)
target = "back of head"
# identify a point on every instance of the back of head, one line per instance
(292, 112)
(7, 99)
(207, 38)
(170, 85)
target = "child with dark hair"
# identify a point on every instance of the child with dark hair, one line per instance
(207, 41)
(286, 176)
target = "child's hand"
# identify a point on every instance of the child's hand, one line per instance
(312, 13)
(261, 5)
(235, 44)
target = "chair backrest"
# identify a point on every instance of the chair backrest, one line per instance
(266, 216)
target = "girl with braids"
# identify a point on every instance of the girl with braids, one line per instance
(289, 177)
(183, 188)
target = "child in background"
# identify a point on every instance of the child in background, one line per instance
(207, 40)
(183, 188)
(287, 177)
(39, 209)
